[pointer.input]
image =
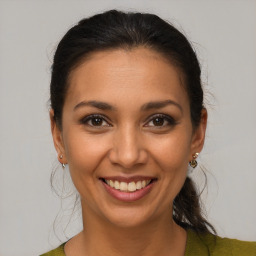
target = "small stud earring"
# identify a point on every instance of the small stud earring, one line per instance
(63, 165)
(193, 162)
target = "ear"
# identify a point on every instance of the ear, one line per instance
(198, 137)
(57, 139)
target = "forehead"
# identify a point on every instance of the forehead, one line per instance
(135, 73)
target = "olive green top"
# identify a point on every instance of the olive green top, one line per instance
(201, 245)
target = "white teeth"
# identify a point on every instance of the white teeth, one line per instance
(138, 185)
(128, 187)
(123, 186)
(131, 186)
(117, 185)
(111, 183)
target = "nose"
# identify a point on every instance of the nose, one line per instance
(128, 148)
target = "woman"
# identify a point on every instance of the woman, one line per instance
(128, 118)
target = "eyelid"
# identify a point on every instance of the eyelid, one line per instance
(170, 120)
(85, 119)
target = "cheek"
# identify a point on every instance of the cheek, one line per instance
(84, 154)
(171, 152)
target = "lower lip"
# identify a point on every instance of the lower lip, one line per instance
(128, 196)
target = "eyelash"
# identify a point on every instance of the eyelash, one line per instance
(170, 120)
(166, 118)
(86, 120)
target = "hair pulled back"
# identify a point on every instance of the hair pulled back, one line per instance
(119, 30)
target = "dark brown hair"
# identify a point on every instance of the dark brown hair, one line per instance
(115, 29)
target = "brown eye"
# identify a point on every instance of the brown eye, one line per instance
(96, 121)
(158, 121)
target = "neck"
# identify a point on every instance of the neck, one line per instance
(157, 237)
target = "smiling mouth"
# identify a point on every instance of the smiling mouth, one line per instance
(128, 186)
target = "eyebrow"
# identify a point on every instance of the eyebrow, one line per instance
(148, 106)
(160, 104)
(96, 104)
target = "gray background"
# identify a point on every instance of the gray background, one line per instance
(224, 36)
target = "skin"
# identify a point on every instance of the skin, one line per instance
(128, 141)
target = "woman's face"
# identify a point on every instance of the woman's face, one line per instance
(127, 135)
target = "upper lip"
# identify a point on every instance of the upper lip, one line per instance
(128, 179)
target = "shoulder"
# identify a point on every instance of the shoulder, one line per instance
(56, 252)
(209, 244)
(234, 247)
(238, 247)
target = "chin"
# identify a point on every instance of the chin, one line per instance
(129, 217)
